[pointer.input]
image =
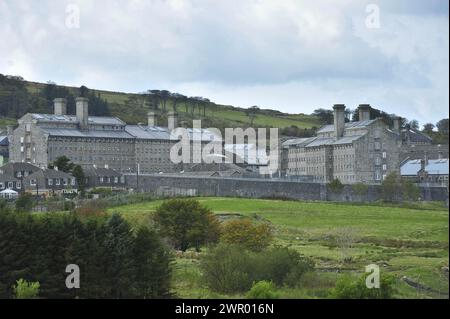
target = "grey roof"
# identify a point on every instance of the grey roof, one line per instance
(434, 167)
(87, 133)
(4, 140)
(8, 178)
(100, 171)
(348, 125)
(297, 141)
(148, 132)
(49, 173)
(415, 136)
(348, 139)
(321, 141)
(11, 167)
(100, 120)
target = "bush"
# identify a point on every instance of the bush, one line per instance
(187, 223)
(336, 186)
(25, 202)
(360, 189)
(26, 290)
(263, 290)
(231, 268)
(282, 266)
(253, 236)
(348, 288)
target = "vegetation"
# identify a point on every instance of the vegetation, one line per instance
(114, 260)
(26, 290)
(394, 189)
(263, 290)
(232, 268)
(187, 223)
(349, 288)
(24, 203)
(244, 232)
(404, 239)
(336, 185)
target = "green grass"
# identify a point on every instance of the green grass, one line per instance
(404, 241)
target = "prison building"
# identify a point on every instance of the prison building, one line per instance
(365, 151)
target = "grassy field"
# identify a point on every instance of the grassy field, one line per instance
(411, 242)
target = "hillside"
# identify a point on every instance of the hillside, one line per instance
(132, 107)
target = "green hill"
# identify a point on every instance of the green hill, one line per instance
(18, 96)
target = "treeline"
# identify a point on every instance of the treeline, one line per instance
(16, 100)
(115, 261)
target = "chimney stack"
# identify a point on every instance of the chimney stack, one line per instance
(396, 126)
(60, 106)
(172, 120)
(82, 112)
(364, 112)
(9, 130)
(151, 118)
(339, 120)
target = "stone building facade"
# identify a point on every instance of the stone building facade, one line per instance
(87, 140)
(364, 151)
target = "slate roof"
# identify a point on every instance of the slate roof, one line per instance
(100, 171)
(415, 136)
(87, 133)
(348, 125)
(11, 167)
(434, 167)
(99, 120)
(4, 140)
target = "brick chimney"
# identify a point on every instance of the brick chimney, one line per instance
(172, 120)
(364, 112)
(151, 118)
(339, 120)
(60, 105)
(82, 112)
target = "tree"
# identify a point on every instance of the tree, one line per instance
(118, 262)
(411, 191)
(263, 290)
(78, 173)
(336, 186)
(251, 113)
(414, 124)
(428, 128)
(63, 163)
(442, 126)
(151, 265)
(24, 203)
(253, 236)
(187, 223)
(325, 116)
(26, 290)
(391, 187)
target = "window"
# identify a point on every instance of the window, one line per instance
(33, 182)
(18, 185)
(384, 167)
(101, 179)
(384, 155)
(2, 185)
(10, 184)
(50, 182)
(58, 181)
(65, 181)
(116, 180)
(73, 181)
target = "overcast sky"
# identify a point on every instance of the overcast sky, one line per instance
(290, 55)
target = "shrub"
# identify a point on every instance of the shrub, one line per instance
(349, 288)
(187, 223)
(360, 189)
(253, 236)
(336, 186)
(282, 266)
(26, 290)
(263, 290)
(227, 269)
(231, 268)
(24, 203)
(391, 187)
(411, 191)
